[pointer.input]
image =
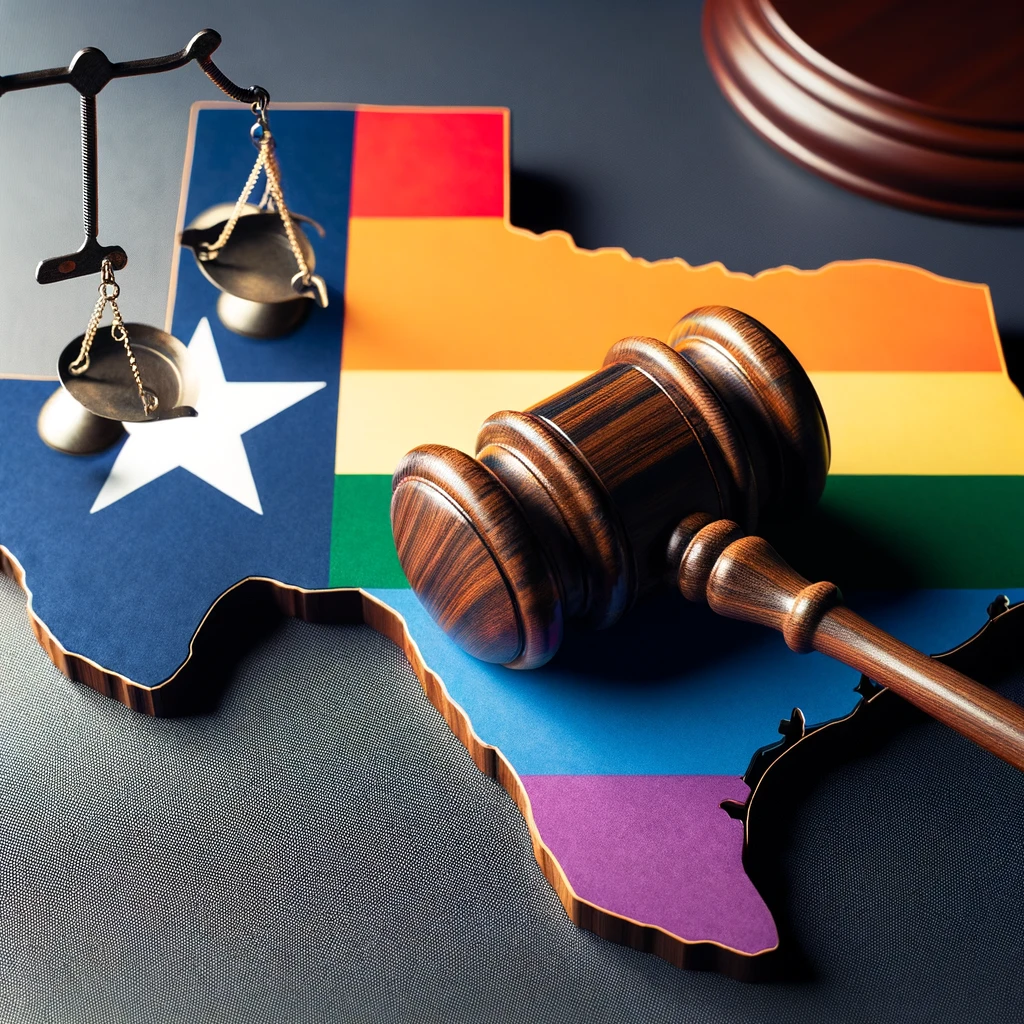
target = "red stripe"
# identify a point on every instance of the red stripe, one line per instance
(429, 164)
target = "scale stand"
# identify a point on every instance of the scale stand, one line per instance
(125, 372)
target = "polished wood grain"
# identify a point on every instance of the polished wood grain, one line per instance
(965, 59)
(570, 505)
(744, 578)
(913, 102)
(770, 398)
(478, 568)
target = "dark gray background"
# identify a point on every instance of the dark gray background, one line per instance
(616, 121)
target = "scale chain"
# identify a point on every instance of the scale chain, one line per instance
(274, 184)
(266, 160)
(210, 252)
(109, 290)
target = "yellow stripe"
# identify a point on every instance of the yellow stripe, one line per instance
(881, 423)
(384, 413)
(922, 424)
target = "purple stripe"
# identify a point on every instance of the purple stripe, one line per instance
(658, 849)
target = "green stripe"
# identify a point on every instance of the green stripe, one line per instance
(895, 532)
(867, 532)
(362, 552)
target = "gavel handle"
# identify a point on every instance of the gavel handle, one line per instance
(744, 578)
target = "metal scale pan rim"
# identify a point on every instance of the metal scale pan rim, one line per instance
(257, 263)
(107, 389)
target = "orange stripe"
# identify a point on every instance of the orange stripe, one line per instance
(477, 294)
(429, 163)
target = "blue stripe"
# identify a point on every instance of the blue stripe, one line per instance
(128, 585)
(673, 689)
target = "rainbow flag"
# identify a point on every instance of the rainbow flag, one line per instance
(441, 312)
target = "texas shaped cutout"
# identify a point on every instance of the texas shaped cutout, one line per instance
(623, 748)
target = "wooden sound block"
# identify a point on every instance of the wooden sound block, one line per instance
(919, 104)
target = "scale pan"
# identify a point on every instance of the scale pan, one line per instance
(107, 388)
(257, 263)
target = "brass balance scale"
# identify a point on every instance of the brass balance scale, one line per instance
(255, 254)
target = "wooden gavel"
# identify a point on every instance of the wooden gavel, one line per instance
(655, 466)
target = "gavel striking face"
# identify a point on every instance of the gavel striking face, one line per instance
(652, 469)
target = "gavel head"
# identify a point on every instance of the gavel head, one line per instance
(568, 509)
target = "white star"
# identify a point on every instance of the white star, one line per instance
(208, 445)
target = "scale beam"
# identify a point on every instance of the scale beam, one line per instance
(88, 73)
